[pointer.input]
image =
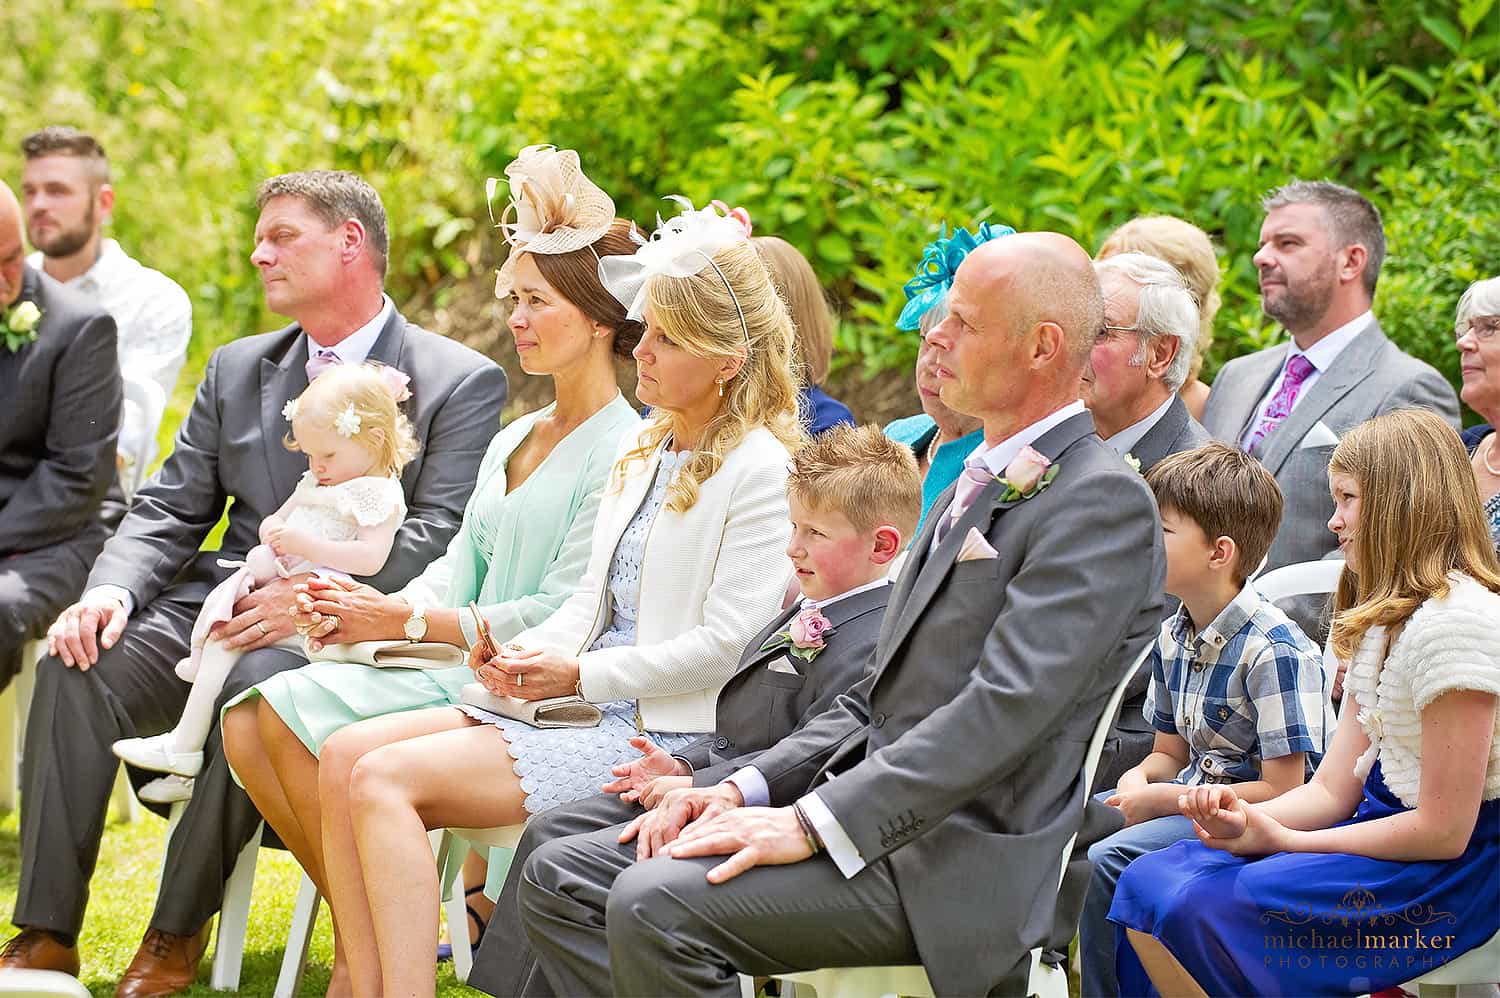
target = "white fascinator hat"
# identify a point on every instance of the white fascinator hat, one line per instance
(554, 208)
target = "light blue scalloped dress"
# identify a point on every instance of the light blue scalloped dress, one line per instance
(559, 765)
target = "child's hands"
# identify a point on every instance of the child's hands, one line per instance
(286, 540)
(636, 775)
(270, 523)
(1151, 801)
(1223, 821)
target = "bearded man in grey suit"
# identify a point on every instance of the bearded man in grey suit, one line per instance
(320, 247)
(60, 378)
(1321, 248)
(922, 819)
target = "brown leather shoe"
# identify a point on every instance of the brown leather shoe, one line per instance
(38, 949)
(164, 965)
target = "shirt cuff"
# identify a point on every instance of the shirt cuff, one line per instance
(114, 592)
(691, 770)
(836, 841)
(752, 786)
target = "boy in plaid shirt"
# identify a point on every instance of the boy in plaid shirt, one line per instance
(1237, 693)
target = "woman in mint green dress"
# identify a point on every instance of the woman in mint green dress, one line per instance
(524, 541)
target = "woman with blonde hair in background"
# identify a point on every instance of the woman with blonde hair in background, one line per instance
(1188, 248)
(795, 278)
(687, 564)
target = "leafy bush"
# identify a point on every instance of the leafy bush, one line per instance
(853, 129)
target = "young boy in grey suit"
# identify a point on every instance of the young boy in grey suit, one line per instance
(855, 497)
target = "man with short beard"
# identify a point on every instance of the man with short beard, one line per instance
(67, 197)
(1321, 247)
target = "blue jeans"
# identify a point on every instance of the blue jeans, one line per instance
(1096, 936)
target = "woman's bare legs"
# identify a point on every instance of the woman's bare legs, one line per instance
(1170, 977)
(343, 750)
(460, 778)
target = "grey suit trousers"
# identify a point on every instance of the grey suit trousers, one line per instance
(671, 932)
(36, 586)
(68, 769)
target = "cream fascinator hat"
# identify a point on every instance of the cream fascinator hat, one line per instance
(553, 208)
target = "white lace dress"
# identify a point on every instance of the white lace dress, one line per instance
(559, 765)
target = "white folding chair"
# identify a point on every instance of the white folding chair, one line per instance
(1306, 578)
(142, 394)
(40, 984)
(911, 981)
(450, 852)
(1479, 966)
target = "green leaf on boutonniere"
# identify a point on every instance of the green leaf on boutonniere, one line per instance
(1013, 494)
(20, 323)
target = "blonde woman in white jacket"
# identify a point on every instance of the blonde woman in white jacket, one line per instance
(687, 565)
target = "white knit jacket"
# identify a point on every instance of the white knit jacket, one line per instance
(711, 579)
(1452, 643)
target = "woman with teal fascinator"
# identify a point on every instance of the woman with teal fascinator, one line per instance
(939, 437)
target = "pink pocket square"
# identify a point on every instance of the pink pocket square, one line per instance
(975, 547)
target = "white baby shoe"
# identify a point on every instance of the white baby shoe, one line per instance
(167, 790)
(157, 754)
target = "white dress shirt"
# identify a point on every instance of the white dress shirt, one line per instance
(751, 783)
(154, 320)
(1320, 355)
(1127, 438)
(352, 349)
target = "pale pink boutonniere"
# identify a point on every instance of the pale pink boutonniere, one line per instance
(804, 635)
(1026, 475)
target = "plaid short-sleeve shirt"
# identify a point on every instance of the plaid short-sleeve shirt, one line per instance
(1248, 687)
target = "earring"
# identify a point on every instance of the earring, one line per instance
(720, 383)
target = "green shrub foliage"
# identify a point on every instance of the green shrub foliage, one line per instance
(852, 129)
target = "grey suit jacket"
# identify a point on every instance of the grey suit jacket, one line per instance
(1177, 430)
(957, 758)
(61, 420)
(230, 446)
(1369, 377)
(757, 707)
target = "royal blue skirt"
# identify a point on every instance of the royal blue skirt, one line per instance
(1310, 923)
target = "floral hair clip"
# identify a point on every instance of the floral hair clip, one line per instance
(940, 260)
(347, 422)
(678, 248)
(554, 208)
(289, 410)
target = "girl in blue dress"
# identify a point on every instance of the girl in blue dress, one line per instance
(1387, 864)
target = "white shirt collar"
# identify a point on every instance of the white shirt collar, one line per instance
(356, 347)
(1127, 438)
(1323, 353)
(999, 457)
(824, 603)
(111, 257)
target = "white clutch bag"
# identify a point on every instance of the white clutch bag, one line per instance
(554, 712)
(393, 654)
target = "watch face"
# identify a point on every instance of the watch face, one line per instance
(416, 628)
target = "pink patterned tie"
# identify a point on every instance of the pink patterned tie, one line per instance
(1297, 370)
(970, 484)
(320, 362)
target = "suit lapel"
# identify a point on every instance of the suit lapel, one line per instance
(388, 345)
(1259, 378)
(1157, 443)
(1354, 364)
(838, 614)
(922, 581)
(280, 383)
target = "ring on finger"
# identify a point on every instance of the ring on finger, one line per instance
(520, 680)
(262, 625)
(335, 620)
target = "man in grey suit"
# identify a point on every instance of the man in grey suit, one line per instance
(1321, 248)
(61, 382)
(320, 246)
(922, 819)
(757, 708)
(1130, 385)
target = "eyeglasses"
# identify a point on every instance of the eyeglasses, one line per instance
(1108, 332)
(1483, 327)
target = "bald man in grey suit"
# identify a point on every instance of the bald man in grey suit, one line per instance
(922, 819)
(1321, 249)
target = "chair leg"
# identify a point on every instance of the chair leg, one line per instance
(127, 808)
(234, 918)
(449, 858)
(10, 746)
(298, 939)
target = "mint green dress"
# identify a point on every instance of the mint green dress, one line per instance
(519, 555)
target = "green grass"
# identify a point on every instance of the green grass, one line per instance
(124, 893)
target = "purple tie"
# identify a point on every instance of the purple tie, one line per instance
(1297, 371)
(320, 362)
(970, 484)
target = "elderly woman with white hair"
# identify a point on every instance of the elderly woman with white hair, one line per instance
(1141, 358)
(1476, 327)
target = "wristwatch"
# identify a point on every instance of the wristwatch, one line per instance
(415, 627)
